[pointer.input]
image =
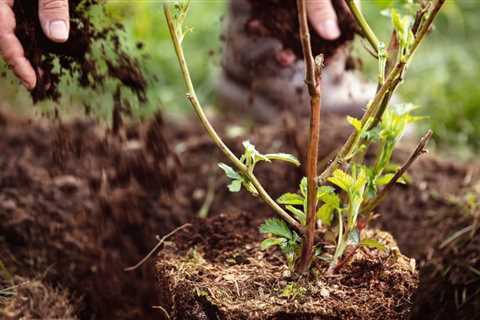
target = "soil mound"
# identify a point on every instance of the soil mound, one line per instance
(216, 270)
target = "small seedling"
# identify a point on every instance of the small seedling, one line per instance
(342, 198)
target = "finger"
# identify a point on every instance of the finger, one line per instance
(11, 49)
(54, 18)
(323, 18)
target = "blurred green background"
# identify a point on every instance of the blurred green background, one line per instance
(442, 80)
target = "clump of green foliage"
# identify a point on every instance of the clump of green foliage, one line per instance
(340, 200)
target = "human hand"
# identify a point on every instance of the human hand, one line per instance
(55, 22)
(323, 18)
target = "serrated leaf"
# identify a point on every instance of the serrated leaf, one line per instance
(235, 186)
(283, 157)
(341, 179)
(290, 198)
(324, 190)
(357, 124)
(331, 199)
(276, 227)
(325, 214)
(297, 213)
(373, 244)
(229, 171)
(267, 243)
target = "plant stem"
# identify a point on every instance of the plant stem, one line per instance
(312, 80)
(372, 204)
(363, 24)
(378, 105)
(192, 97)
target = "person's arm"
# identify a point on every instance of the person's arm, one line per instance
(55, 22)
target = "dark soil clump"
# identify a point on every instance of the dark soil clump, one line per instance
(279, 19)
(217, 271)
(76, 57)
(79, 206)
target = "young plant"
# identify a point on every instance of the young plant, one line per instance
(342, 198)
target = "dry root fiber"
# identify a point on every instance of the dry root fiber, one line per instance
(33, 299)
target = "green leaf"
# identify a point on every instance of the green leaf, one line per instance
(290, 198)
(373, 244)
(303, 187)
(341, 179)
(252, 155)
(357, 124)
(229, 171)
(298, 214)
(325, 214)
(283, 157)
(331, 199)
(324, 190)
(235, 186)
(267, 243)
(276, 227)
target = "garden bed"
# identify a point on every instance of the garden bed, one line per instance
(76, 205)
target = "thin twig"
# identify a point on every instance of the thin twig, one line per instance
(312, 80)
(192, 97)
(372, 204)
(363, 24)
(157, 246)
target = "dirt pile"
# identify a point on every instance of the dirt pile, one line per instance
(216, 270)
(92, 56)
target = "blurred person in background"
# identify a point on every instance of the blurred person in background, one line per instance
(261, 77)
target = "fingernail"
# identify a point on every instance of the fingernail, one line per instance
(58, 30)
(329, 30)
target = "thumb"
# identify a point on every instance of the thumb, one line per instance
(323, 18)
(54, 18)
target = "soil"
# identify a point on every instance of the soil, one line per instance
(279, 19)
(79, 205)
(216, 270)
(77, 57)
(33, 299)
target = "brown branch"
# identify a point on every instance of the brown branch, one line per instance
(312, 80)
(372, 204)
